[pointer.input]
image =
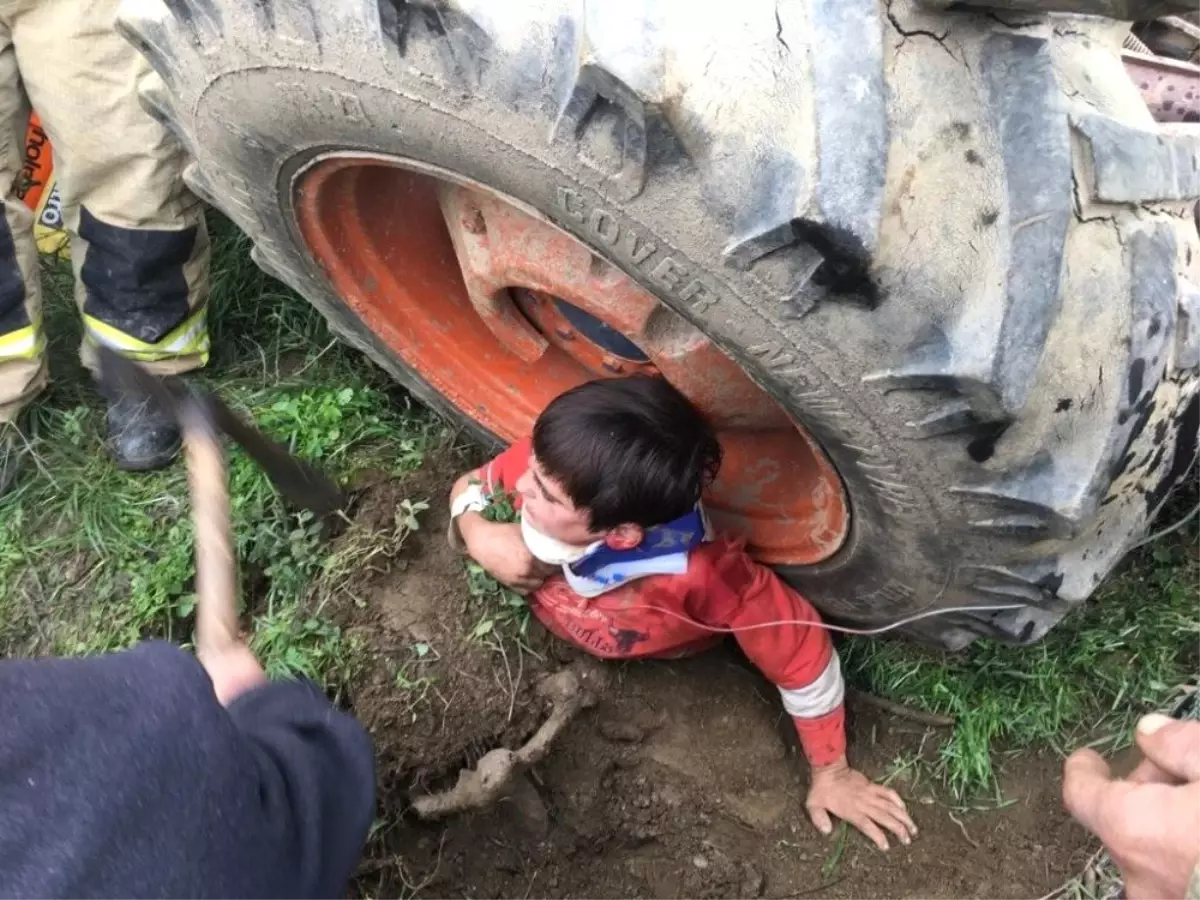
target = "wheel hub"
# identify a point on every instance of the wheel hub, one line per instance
(592, 343)
(500, 311)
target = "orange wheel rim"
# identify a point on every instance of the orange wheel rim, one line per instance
(500, 312)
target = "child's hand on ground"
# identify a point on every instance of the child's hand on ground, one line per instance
(838, 790)
(501, 550)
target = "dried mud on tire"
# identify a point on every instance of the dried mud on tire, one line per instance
(681, 782)
(927, 234)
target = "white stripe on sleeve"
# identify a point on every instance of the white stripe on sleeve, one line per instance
(823, 695)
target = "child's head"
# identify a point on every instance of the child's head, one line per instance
(615, 456)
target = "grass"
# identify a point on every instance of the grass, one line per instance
(1100, 878)
(500, 610)
(93, 559)
(503, 613)
(1127, 652)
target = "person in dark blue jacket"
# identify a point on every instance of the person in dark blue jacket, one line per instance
(147, 774)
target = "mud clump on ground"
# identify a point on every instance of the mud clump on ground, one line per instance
(680, 781)
(433, 694)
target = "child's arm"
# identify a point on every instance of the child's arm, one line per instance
(801, 661)
(497, 546)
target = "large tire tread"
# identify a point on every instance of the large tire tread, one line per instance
(986, 312)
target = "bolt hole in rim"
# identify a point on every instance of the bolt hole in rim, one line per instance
(500, 311)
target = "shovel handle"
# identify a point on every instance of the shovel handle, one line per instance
(217, 627)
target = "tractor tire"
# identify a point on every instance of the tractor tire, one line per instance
(960, 253)
(1124, 10)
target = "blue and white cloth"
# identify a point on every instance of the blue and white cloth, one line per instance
(663, 551)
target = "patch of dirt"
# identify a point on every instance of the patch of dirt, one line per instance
(683, 781)
(432, 696)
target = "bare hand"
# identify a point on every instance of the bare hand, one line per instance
(838, 790)
(501, 550)
(234, 669)
(1150, 822)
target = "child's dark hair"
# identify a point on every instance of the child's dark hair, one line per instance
(629, 450)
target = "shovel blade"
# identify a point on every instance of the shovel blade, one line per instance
(300, 483)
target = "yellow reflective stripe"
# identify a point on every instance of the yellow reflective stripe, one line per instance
(24, 343)
(190, 338)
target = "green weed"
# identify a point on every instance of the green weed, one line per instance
(414, 680)
(93, 559)
(502, 611)
(501, 508)
(829, 868)
(1124, 654)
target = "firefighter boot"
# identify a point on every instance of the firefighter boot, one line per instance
(141, 435)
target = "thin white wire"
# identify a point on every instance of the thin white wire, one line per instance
(1162, 534)
(927, 614)
(900, 623)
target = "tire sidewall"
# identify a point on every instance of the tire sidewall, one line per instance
(892, 562)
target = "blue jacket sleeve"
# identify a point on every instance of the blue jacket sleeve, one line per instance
(121, 775)
(316, 778)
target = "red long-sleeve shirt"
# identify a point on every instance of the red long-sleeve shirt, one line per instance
(722, 591)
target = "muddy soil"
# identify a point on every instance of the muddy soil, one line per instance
(432, 695)
(683, 781)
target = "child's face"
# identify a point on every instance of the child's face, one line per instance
(548, 508)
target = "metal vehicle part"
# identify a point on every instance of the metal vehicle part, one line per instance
(935, 271)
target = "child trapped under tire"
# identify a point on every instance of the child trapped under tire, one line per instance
(617, 557)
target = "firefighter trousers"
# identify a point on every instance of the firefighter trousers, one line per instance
(139, 247)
